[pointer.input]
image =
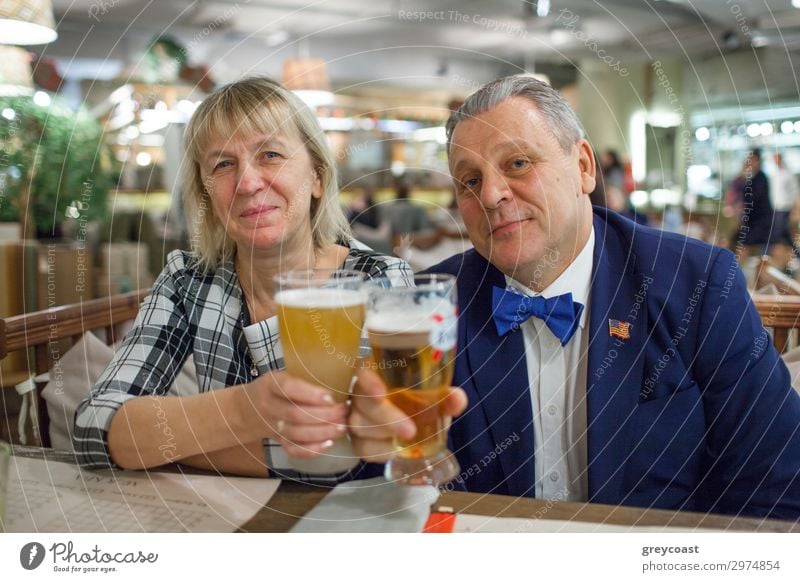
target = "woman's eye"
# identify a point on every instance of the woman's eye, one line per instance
(223, 164)
(271, 155)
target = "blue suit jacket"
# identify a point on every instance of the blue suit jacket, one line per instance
(694, 412)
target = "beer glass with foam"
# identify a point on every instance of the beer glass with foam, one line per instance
(412, 331)
(321, 317)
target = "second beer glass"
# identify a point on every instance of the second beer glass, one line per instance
(321, 317)
(412, 331)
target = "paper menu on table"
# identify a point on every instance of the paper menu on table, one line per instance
(467, 523)
(49, 496)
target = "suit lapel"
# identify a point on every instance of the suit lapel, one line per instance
(497, 365)
(615, 369)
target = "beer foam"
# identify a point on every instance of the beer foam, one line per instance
(400, 322)
(320, 298)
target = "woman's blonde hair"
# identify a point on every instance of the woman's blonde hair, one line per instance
(254, 106)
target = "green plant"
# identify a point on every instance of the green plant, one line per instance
(52, 159)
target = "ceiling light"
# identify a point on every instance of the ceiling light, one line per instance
(314, 98)
(309, 80)
(787, 127)
(143, 159)
(41, 99)
(542, 8)
(26, 22)
(702, 134)
(758, 40)
(796, 3)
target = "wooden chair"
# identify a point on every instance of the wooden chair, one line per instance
(767, 274)
(782, 314)
(34, 333)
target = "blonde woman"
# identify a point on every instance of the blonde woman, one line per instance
(260, 194)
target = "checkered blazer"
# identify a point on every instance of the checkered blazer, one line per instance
(190, 311)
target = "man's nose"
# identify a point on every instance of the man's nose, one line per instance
(494, 190)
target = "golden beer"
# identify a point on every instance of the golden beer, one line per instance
(321, 335)
(413, 331)
(418, 377)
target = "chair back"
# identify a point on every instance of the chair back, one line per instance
(44, 336)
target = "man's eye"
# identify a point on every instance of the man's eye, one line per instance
(471, 183)
(519, 163)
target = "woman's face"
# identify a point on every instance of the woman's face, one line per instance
(261, 189)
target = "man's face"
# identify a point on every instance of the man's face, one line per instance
(521, 195)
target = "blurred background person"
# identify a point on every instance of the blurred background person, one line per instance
(757, 219)
(784, 193)
(613, 171)
(611, 194)
(368, 224)
(409, 222)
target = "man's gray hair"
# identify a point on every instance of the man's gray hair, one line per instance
(560, 117)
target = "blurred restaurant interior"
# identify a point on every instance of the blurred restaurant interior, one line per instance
(673, 96)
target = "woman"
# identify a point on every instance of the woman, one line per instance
(260, 194)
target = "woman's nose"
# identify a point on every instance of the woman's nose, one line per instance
(249, 180)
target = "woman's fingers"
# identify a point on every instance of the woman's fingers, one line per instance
(309, 434)
(299, 391)
(295, 414)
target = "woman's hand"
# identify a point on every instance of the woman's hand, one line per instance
(302, 416)
(374, 421)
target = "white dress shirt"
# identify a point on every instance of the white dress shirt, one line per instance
(784, 190)
(557, 379)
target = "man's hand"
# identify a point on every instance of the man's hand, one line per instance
(374, 421)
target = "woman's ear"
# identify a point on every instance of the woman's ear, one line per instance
(316, 186)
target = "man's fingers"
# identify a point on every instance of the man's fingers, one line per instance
(369, 384)
(374, 450)
(372, 417)
(456, 402)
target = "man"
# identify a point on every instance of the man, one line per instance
(784, 195)
(645, 379)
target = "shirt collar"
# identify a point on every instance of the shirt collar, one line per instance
(575, 279)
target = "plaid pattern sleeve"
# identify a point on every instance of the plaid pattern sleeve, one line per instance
(147, 362)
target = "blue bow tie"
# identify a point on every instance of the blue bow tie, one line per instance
(511, 309)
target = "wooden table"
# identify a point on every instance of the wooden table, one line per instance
(293, 500)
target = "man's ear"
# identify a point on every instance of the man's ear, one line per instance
(587, 166)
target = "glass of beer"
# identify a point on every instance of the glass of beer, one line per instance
(321, 317)
(412, 331)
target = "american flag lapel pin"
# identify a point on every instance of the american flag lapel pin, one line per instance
(620, 329)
